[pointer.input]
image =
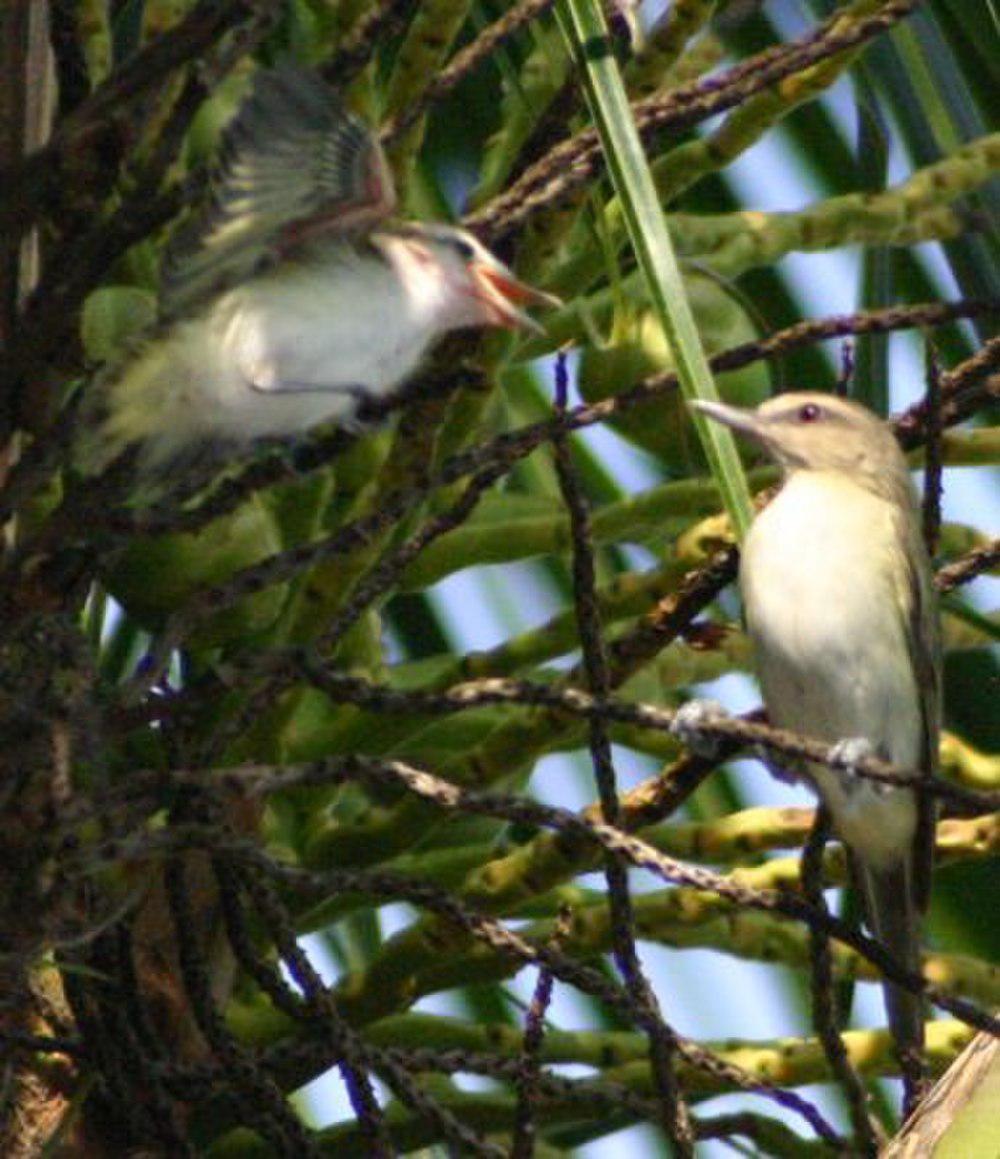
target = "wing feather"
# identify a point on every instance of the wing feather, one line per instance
(923, 634)
(293, 163)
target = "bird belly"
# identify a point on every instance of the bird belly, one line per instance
(273, 357)
(165, 400)
(303, 349)
(830, 646)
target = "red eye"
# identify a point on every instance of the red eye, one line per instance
(809, 413)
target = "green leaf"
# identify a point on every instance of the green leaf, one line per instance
(584, 27)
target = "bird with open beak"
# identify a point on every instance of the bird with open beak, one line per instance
(840, 606)
(295, 295)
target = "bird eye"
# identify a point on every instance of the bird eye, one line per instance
(809, 413)
(464, 249)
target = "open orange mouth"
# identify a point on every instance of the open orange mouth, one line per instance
(507, 295)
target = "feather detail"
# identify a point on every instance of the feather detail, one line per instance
(923, 635)
(294, 164)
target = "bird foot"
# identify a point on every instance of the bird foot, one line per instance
(689, 723)
(848, 753)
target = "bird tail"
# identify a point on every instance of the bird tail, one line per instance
(893, 917)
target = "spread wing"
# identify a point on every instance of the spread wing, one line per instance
(293, 164)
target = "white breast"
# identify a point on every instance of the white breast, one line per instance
(273, 357)
(821, 595)
(303, 342)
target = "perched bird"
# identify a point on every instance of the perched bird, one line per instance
(840, 606)
(295, 295)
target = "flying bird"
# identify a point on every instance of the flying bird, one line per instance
(295, 295)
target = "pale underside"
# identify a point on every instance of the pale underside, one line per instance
(276, 356)
(827, 610)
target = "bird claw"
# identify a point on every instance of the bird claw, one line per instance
(848, 753)
(689, 723)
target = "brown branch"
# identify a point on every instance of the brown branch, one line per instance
(318, 1002)
(262, 1104)
(517, 444)
(573, 163)
(743, 731)
(674, 1114)
(44, 180)
(467, 60)
(321, 1020)
(963, 390)
(521, 811)
(378, 25)
(527, 1074)
(967, 567)
(824, 1000)
(510, 944)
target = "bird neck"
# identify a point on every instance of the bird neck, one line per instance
(887, 482)
(419, 272)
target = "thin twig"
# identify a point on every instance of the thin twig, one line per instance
(467, 60)
(932, 454)
(825, 1019)
(967, 567)
(527, 1075)
(745, 731)
(262, 1103)
(509, 943)
(524, 811)
(27, 191)
(573, 163)
(662, 1050)
(964, 389)
(378, 26)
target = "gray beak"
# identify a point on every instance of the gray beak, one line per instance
(739, 419)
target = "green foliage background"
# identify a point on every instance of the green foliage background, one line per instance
(924, 92)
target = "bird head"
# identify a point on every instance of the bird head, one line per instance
(819, 432)
(480, 289)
